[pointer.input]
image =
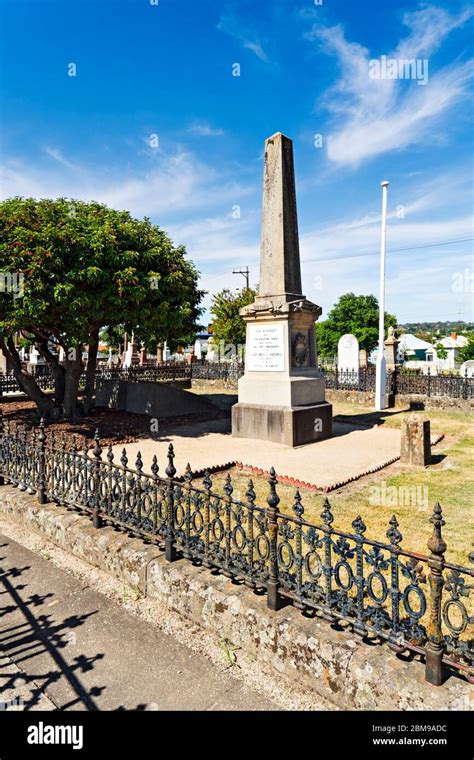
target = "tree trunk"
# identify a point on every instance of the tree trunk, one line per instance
(27, 382)
(72, 375)
(93, 348)
(56, 368)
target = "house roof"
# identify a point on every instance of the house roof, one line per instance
(450, 342)
(408, 341)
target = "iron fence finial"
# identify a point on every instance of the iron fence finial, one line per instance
(393, 534)
(171, 469)
(273, 499)
(298, 508)
(326, 515)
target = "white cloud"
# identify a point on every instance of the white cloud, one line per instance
(232, 26)
(202, 129)
(373, 116)
(174, 183)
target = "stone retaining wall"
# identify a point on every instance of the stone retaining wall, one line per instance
(333, 664)
(200, 383)
(167, 398)
(418, 401)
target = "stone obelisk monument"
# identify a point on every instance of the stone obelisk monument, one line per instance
(281, 395)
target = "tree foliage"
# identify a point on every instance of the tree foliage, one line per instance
(86, 266)
(227, 323)
(467, 352)
(358, 315)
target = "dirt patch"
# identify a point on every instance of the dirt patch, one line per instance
(114, 427)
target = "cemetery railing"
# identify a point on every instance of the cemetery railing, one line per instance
(402, 382)
(418, 603)
(153, 374)
(398, 381)
(218, 371)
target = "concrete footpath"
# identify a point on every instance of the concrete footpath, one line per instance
(351, 452)
(65, 646)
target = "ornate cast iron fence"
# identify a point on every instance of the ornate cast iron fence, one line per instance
(417, 603)
(146, 374)
(402, 382)
(398, 381)
(217, 371)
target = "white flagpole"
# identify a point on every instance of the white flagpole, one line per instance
(381, 372)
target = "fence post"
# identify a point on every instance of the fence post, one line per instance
(170, 548)
(434, 670)
(97, 452)
(273, 598)
(2, 479)
(428, 384)
(360, 528)
(41, 464)
(465, 385)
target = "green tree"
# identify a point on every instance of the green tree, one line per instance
(358, 315)
(227, 323)
(85, 266)
(467, 353)
(441, 351)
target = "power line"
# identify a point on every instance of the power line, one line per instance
(357, 255)
(391, 250)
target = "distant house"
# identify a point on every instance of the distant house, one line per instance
(411, 348)
(452, 344)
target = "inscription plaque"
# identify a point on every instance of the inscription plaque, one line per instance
(265, 348)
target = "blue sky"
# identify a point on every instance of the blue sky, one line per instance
(166, 69)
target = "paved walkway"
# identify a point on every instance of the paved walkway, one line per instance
(64, 646)
(349, 453)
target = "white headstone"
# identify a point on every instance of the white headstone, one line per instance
(467, 366)
(35, 356)
(348, 353)
(3, 364)
(198, 349)
(212, 355)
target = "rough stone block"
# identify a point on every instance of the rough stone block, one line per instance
(415, 441)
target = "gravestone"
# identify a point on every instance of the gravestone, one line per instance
(415, 441)
(282, 394)
(363, 359)
(348, 353)
(467, 369)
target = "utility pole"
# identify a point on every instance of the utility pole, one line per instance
(381, 370)
(245, 273)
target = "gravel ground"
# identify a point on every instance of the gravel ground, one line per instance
(197, 639)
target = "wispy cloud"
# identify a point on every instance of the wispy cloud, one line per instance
(203, 129)
(231, 25)
(373, 116)
(161, 188)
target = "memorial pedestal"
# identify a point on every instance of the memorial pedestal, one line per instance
(281, 395)
(291, 426)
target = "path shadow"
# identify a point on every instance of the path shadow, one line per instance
(368, 419)
(36, 635)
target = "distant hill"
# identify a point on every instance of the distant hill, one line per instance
(433, 327)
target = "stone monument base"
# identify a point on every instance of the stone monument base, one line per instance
(291, 426)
